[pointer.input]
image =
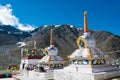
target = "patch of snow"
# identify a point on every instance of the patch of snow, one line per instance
(17, 32)
(57, 25)
(1, 29)
(9, 32)
(79, 28)
(71, 26)
(45, 26)
(21, 44)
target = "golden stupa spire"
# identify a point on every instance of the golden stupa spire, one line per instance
(85, 22)
(51, 37)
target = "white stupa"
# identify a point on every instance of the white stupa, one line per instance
(87, 62)
(52, 60)
(87, 56)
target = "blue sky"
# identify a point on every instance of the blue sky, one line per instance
(102, 14)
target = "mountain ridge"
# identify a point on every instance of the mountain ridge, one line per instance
(64, 34)
(11, 34)
(65, 37)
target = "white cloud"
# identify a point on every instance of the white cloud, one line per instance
(8, 18)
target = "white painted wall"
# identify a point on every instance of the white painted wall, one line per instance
(28, 61)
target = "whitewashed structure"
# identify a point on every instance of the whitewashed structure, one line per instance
(89, 58)
(29, 58)
(52, 60)
(87, 62)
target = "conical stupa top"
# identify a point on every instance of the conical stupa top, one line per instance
(51, 37)
(85, 22)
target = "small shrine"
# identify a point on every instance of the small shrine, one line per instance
(30, 58)
(51, 60)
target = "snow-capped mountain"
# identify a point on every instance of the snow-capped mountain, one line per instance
(11, 35)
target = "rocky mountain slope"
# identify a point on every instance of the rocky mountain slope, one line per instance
(65, 39)
(11, 35)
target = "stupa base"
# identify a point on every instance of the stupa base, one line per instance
(41, 75)
(86, 72)
(68, 75)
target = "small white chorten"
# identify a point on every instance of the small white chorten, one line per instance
(52, 60)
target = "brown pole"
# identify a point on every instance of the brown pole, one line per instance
(85, 22)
